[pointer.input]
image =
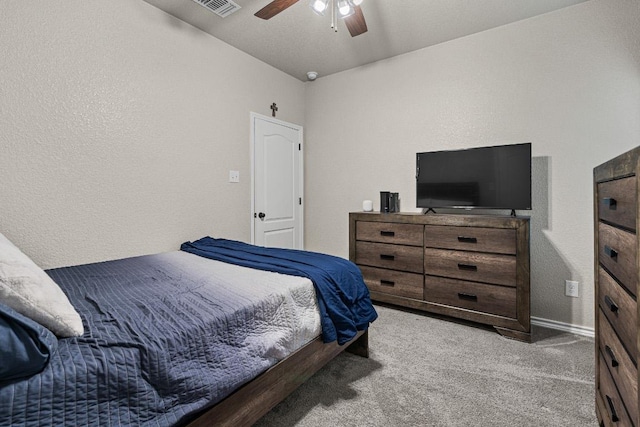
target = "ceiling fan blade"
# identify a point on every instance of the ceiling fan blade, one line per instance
(274, 8)
(356, 23)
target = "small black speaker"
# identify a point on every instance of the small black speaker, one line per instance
(384, 201)
(389, 202)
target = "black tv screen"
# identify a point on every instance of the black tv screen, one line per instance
(497, 177)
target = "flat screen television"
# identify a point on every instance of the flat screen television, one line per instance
(497, 177)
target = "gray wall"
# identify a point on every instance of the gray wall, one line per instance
(119, 127)
(567, 81)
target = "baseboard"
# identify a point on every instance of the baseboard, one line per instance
(565, 327)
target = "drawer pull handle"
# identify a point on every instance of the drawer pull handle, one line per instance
(611, 304)
(609, 251)
(387, 282)
(387, 257)
(609, 352)
(464, 239)
(610, 201)
(387, 233)
(467, 267)
(467, 297)
(614, 414)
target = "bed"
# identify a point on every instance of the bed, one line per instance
(184, 338)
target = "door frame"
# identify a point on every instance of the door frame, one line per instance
(252, 117)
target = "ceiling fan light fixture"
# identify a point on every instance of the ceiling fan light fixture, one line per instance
(355, 3)
(319, 6)
(345, 9)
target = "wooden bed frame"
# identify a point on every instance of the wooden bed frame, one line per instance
(253, 400)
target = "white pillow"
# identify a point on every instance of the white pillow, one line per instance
(27, 289)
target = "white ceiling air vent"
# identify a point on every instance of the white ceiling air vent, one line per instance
(221, 8)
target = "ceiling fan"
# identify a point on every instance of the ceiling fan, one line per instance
(348, 10)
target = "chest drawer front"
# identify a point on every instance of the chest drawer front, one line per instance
(496, 240)
(622, 369)
(499, 300)
(478, 267)
(387, 232)
(409, 285)
(611, 398)
(395, 257)
(617, 201)
(617, 252)
(620, 309)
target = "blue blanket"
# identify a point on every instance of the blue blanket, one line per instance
(343, 298)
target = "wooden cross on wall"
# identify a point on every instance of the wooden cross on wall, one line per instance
(274, 108)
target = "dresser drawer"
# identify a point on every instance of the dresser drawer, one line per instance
(499, 300)
(614, 409)
(395, 257)
(496, 240)
(621, 310)
(409, 285)
(617, 252)
(621, 368)
(475, 266)
(387, 232)
(617, 201)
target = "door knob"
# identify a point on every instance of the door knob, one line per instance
(261, 215)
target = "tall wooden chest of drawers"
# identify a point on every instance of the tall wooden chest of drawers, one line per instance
(616, 280)
(473, 267)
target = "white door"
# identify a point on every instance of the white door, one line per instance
(276, 183)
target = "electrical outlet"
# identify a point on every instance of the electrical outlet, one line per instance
(234, 176)
(571, 288)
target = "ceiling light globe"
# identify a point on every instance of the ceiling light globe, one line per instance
(319, 6)
(355, 2)
(344, 8)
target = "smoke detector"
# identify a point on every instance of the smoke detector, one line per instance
(312, 75)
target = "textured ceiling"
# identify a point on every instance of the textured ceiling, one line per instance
(297, 40)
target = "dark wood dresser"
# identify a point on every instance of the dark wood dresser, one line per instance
(616, 280)
(473, 267)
